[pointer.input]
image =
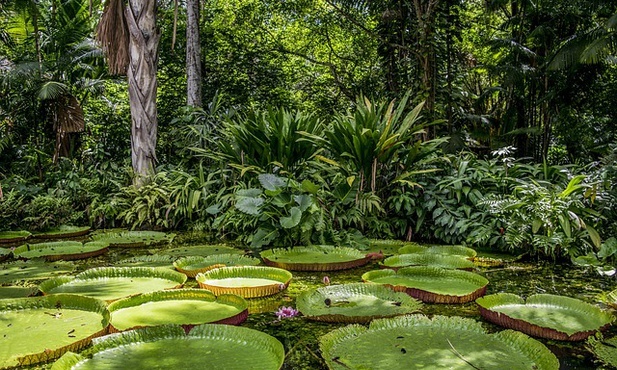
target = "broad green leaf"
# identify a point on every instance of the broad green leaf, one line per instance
(309, 187)
(293, 220)
(250, 206)
(271, 182)
(595, 237)
(304, 201)
(536, 225)
(263, 237)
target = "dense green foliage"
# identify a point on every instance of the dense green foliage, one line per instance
(485, 123)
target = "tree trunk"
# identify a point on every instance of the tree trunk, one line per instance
(143, 57)
(193, 55)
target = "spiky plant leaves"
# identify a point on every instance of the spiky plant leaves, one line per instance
(223, 346)
(545, 315)
(415, 341)
(354, 303)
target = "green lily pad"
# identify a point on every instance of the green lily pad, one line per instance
(315, 258)
(43, 328)
(5, 254)
(417, 342)
(428, 259)
(545, 315)
(63, 250)
(192, 265)
(136, 239)
(199, 250)
(148, 261)
(354, 303)
(10, 237)
(456, 250)
(210, 346)
(63, 231)
(33, 270)
(7, 292)
(111, 283)
(245, 281)
(187, 307)
(431, 284)
(604, 349)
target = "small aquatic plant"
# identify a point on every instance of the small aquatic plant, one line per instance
(326, 280)
(286, 313)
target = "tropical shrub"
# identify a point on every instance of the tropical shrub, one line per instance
(281, 212)
(548, 219)
(12, 205)
(47, 211)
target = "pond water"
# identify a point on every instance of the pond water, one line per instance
(300, 336)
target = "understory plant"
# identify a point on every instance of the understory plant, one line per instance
(548, 219)
(280, 212)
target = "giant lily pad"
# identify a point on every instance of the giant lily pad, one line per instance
(245, 281)
(199, 250)
(193, 265)
(455, 250)
(4, 254)
(187, 307)
(17, 291)
(33, 270)
(64, 231)
(431, 284)
(135, 239)
(43, 328)
(111, 283)
(157, 260)
(315, 258)
(63, 250)
(545, 315)
(417, 342)
(211, 346)
(11, 237)
(428, 259)
(354, 303)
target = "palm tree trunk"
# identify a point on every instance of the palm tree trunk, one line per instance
(143, 57)
(193, 55)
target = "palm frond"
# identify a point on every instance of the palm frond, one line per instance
(52, 90)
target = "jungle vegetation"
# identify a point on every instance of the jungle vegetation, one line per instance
(280, 123)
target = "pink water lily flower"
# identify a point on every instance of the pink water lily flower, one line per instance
(286, 313)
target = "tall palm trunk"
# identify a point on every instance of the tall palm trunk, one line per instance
(193, 54)
(130, 40)
(143, 57)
